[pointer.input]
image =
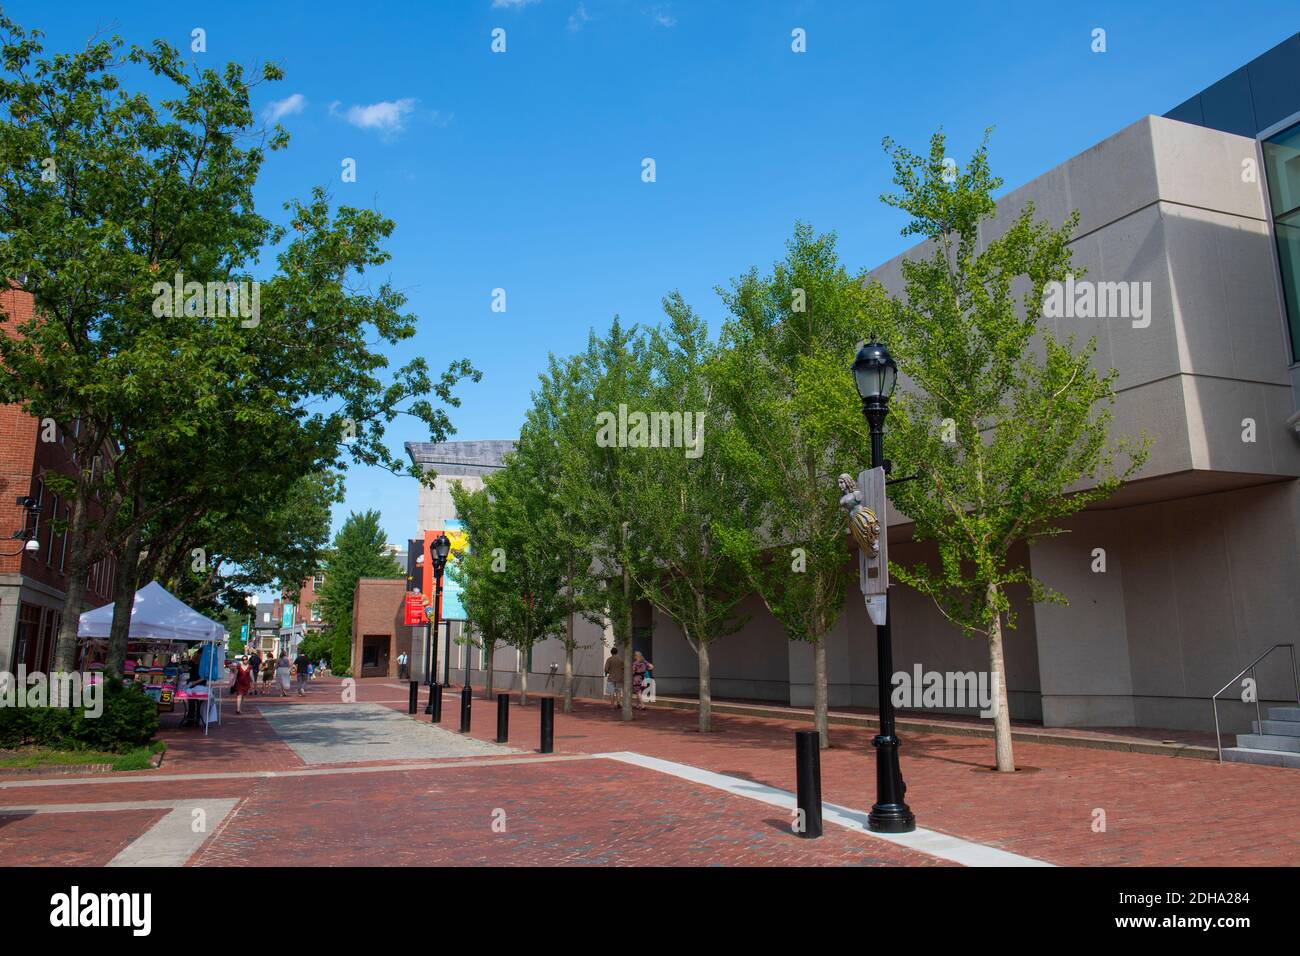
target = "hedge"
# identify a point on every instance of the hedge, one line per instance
(129, 720)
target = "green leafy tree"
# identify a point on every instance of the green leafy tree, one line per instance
(782, 376)
(477, 569)
(597, 479)
(107, 194)
(529, 571)
(1007, 425)
(686, 501)
(558, 421)
(358, 552)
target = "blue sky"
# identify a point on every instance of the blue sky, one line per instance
(522, 170)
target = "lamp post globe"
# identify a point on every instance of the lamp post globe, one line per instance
(875, 374)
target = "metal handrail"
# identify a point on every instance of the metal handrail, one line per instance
(1250, 669)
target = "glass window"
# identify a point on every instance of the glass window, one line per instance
(49, 550)
(63, 554)
(1282, 167)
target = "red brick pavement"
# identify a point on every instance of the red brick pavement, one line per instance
(580, 812)
(70, 839)
(1158, 810)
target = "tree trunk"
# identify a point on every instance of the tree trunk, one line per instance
(123, 603)
(998, 674)
(627, 643)
(706, 696)
(568, 672)
(523, 680)
(65, 650)
(488, 648)
(819, 693)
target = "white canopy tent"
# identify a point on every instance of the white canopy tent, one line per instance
(159, 615)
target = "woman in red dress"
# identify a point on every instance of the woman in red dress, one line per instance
(243, 683)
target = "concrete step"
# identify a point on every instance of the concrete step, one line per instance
(1265, 758)
(1284, 713)
(1282, 728)
(1268, 742)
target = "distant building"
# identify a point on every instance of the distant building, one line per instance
(378, 632)
(464, 462)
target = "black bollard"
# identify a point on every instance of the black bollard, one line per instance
(503, 718)
(464, 709)
(808, 781)
(429, 708)
(435, 703)
(548, 725)
(414, 703)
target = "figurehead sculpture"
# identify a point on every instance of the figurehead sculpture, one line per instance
(863, 522)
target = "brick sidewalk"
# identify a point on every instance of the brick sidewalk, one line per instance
(1158, 810)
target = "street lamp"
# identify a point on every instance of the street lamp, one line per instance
(438, 550)
(27, 535)
(875, 375)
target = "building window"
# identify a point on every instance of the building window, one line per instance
(63, 554)
(315, 612)
(49, 550)
(1282, 168)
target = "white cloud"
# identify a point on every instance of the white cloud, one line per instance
(513, 4)
(387, 116)
(288, 106)
(578, 17)
(663, 19)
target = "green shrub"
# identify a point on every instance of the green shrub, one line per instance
(129, 720)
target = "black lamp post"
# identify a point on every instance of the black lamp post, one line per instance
(438, 550)
(875, 375)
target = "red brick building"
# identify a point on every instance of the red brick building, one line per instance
(379, 634)
(33, 583)
(310, 606)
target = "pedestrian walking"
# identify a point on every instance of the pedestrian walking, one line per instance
(243, 682)
(268, 672)
(614, 677)
(255, 664)
(303, 666)
(641, 678)
(401, 665)
(283, 673)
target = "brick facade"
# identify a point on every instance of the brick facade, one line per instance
(33, 584)
(378, 632)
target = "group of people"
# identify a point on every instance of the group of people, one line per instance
(642, 678)
(281, 670)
